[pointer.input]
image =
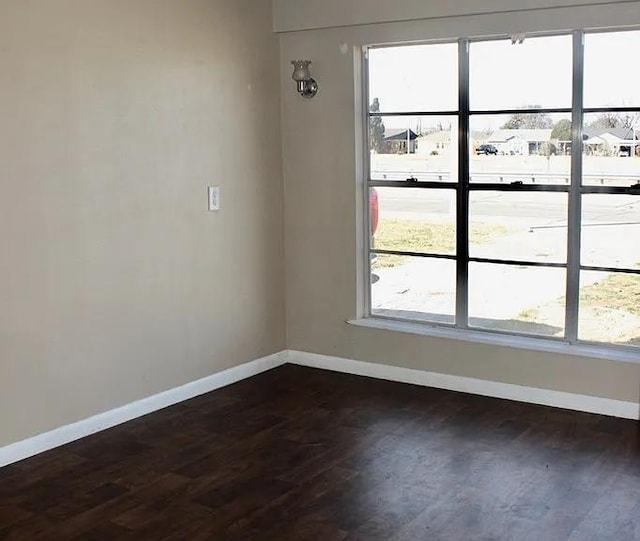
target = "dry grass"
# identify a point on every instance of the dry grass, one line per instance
(615, 292)
(429, 237)
(609, 310)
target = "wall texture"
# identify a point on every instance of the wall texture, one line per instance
(115, 281)
(323, 185)
(293, 15)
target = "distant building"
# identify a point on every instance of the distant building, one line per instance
(611, 141)
(521, 142)
(437, 142)
(479, 138)
(445, 141)
(397, 141)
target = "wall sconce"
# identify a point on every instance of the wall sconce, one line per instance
(307, 86)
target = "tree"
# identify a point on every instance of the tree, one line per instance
(629, 120)
(376, 128)
(616, 120)
(606, 121)
(562, 130)
(528, 121)
(547, 149)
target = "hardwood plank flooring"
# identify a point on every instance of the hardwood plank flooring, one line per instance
(298, 454)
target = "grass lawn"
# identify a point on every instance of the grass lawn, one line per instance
(609, 310)
(433, 237)
(615, 292)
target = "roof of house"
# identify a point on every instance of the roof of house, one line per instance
(399, 135)
(627, 134)
(449, 136)
(438, 136)
(504, 136)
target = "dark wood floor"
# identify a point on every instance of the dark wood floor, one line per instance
(301, 454)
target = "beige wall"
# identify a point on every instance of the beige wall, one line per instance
(293, 15)
(115, 281)
(322, 186)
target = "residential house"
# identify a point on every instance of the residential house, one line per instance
(437, 142)
(611, 141)
(397, 141)
(442, 141)
(521, 142)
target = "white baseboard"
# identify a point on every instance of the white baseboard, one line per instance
(494, 389)
(66, 434)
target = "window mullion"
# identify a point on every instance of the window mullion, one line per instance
(575, 195)
(462, 221)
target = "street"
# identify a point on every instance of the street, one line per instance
(418, 203)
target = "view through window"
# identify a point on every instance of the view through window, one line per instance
(504, 180)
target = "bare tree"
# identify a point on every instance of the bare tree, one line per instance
(616, 120)
(528, 121)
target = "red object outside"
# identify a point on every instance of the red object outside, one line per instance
(373, 206)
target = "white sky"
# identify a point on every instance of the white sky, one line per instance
(502, 76)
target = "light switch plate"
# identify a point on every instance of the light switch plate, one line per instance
(214, 198)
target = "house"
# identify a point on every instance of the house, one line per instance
(317, 354)
(444, 141)
(396, 142)
(435, 143)
(521, 142)
(611, 141)
(479, 138)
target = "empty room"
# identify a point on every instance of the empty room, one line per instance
(319, 270)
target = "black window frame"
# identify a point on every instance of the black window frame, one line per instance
(575, 189)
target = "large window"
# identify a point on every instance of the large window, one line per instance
(504, 185)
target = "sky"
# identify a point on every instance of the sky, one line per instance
(503, 75)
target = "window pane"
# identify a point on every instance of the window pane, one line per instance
(610, 77)
(610, 308)
(526, 147)
(611, 149)
(536, 73)
(526, 300)
(413, 288)
(415, 78)
(414, 220)
(611, 231)
(425, 148)
(523, 226)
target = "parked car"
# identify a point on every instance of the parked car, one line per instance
(486, 150)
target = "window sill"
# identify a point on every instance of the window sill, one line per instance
(495, 339)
